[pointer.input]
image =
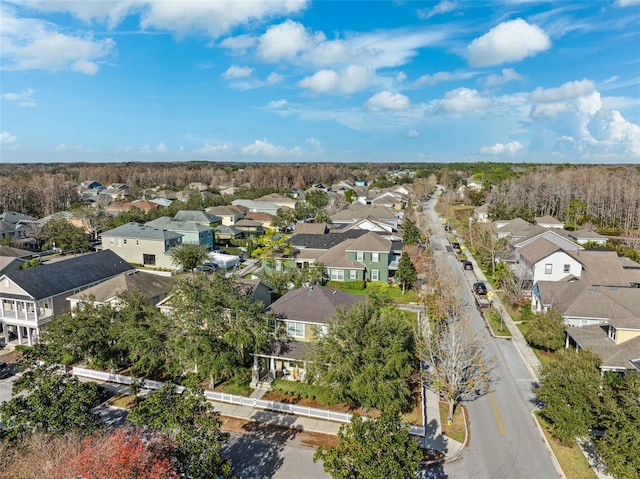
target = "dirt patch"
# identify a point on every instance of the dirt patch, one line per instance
(11, 358)
(277, 433)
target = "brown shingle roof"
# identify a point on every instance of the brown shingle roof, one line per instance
(537, 250)
(601, 268)
(147, 284)
(370, 242)
(311, 228)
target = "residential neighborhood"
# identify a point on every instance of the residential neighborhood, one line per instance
(305, 304)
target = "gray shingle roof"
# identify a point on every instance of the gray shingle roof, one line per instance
(147, 284)
(169, 224)
(136, 230)
(52, 279)
(197, 216)
(315, 304)
(326, 241)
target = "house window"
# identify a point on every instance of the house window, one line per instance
(6, 283)
(548, 268)
(375, 275)
(137, 242)
(111, 241)
(353, 274)
(375, 257)
(359, 256)
(567, 268)
(295, 329)
(337, 274)
(124, 241)
(612, 333)
(119, 242)
(149, 259)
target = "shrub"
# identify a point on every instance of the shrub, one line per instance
(347, 285)
(304, 390)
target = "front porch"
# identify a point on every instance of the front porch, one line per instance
(285, 361)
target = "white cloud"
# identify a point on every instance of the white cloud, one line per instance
(401, 76)
(239, 44)
(262, 148)
(507, 75)
(315, 144)
(509, 41)
(610, 129)
(575, 96)
(282, 42)
(349, 80)
(627, 3)
(277, 103)
(235, 71)
(161, 148)
(440, 77)
(7, 138)
(208, 149)
(24, 98)
(413, 133)
(385, 100)
(507, 149)
(462, 100)
(443, 7)
(31, 44)
(274, 78)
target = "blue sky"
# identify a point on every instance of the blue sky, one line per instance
(298, 81)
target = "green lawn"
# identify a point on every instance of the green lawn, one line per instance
(493, 317)
(395, 293)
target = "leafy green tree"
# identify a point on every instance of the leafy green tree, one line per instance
(569, 387)
(406, 273)
(62, 234)
(367, 355)
(54, 402)
(88, 335)
(619, 417)
(411, 233)
(217, 326)
(317, 199)
(191, 422)
(188, 256)
(372, 449)
(350, 196)
(546, 331)
(285, 219)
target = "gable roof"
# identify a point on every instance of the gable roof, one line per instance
(357, 212)
(275, 198)
(336, 257)
(370, 242)
(14, 252)
(313, 241)
(601, 267)
(13, 217)
(311, 228)
(51, 279)
(258, 216)
(223, 211)
(195, 215)
(169, 224)
(547, 220)
(586, 234)
(295, 305)
(614, 356)
(136, 230)
(538, 249)
(147, 284)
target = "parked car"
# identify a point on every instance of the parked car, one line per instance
(480, 289)
(207, 267)
(466, 264)
(456, 246)
(448, 227)
(5, 370)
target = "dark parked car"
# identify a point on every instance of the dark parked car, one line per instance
(466, 264)
(456, 246)
(207, 267)
(480, 289)
(5, 370)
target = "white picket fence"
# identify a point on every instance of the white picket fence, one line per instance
(235, 399)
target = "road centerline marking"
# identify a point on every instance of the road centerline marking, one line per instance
(494, 406)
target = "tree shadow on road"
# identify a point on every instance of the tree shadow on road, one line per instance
(257, 453)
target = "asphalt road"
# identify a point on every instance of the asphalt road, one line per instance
(505, 442)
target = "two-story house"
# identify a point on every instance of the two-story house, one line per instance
(304, 313)
(30, 298)
(142, 244)
(228, 215)
(192, 232)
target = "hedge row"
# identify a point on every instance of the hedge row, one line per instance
(304, 390)
(347, 285)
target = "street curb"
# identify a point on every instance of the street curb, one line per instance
(552, 455)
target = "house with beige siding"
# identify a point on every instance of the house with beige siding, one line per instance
(142, 244)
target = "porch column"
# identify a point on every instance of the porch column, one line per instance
(19, 334)
(29, 342)
(566, 341)
(26, 311)
(5, 333)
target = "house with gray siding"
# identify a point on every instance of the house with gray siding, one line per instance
(192, 232)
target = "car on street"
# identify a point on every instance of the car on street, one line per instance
(466, 264)
(456, 246)
(5, 370)
(480, 289)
